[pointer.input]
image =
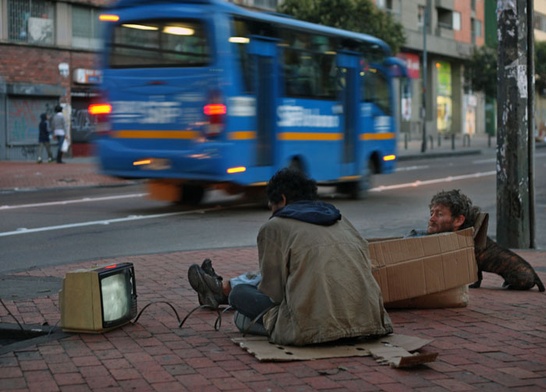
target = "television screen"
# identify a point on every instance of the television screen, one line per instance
(98, 299)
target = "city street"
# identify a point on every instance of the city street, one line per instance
(78, 224)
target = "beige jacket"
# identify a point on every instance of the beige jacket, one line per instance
(320, 278)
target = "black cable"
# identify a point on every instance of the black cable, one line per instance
(153, 303)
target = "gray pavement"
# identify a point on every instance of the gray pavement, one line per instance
(497, 342)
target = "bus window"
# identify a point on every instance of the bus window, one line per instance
(375, 89)
(308, 66)
(241, 38)
(159, 44)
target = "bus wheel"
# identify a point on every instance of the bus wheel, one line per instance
(191, 194)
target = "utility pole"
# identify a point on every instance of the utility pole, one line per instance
(515, 124)
(424, 80)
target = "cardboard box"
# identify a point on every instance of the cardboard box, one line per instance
(412, 267)
(452, 298)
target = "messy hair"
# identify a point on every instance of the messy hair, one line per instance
(293, 184)
(458, 204)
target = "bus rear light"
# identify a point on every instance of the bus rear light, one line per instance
(215, 113)
(96, 109)
(215, 109)
(101, 111)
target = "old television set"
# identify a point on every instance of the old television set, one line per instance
(99, 299)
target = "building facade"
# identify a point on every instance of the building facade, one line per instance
(48, 57)
(440, 34)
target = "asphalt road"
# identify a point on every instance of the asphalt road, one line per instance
(73, 225)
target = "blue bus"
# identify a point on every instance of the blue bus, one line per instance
(202, 94)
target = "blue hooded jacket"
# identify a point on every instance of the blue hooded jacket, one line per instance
(310, 211)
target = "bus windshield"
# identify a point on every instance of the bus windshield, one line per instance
(161, 43)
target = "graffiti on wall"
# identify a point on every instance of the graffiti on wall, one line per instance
(82, 125)
(23, 117)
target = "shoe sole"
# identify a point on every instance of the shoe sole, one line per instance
(199, 285)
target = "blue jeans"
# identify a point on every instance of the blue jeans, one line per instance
(60, 140)
(249, 301)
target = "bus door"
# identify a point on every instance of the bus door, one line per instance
(263, 52)
(348, 84)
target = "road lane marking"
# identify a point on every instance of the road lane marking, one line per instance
(64, 202)
(429, 182)
(409, 168)
(103, 222)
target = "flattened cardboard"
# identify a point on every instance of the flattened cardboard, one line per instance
(395, 350)
(413, 267)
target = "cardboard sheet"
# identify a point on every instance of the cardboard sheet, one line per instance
(394, 350)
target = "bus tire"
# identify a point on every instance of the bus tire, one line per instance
(191, 194)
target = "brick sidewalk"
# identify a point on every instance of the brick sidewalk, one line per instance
(17, 175)
(496, 343)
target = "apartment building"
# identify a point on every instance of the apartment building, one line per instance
(441, 34)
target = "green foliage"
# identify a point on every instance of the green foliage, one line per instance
(480, 71)
(355, 15)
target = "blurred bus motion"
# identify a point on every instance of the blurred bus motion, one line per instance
(205, 94)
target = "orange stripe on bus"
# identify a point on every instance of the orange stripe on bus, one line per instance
(156, 134)
(310, 136)
(242, 135)
(377, 136)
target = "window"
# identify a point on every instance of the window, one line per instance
(476, 29)
(421, 15)
(375, 89)
(180, 43)
(385, 4)
(539, 21)
(85, 27)
(31, 21)
(308, 65)
(456, 21)
(445, 18)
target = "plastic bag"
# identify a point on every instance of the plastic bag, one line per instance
(65, 146)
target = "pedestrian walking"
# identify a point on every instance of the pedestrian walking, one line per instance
(59, 130)
(44, 139)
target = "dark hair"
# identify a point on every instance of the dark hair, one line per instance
(43, 116)
(58, 108)
(458, 204)
(293, 184)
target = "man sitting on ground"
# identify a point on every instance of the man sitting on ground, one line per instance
(316, 280)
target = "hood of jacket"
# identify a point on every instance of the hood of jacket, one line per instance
(310, 211)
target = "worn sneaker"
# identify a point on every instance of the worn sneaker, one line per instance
(206, 266)
(209, 289)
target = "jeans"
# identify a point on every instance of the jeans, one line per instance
(60, 140)
(249, 301)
